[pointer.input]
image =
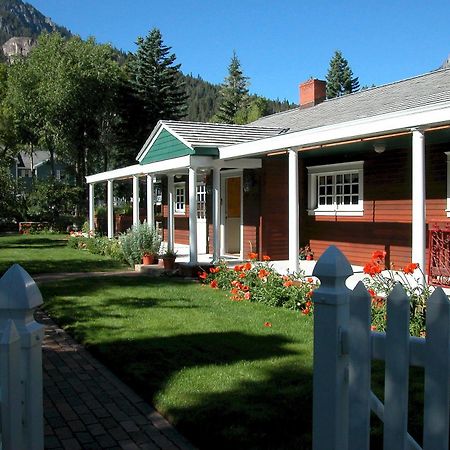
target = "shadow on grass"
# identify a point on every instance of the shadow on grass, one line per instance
(34, 242)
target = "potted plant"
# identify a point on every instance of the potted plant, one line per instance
(140, 241)
(168, 258)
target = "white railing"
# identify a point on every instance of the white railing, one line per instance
(344, 347)
(20, 362)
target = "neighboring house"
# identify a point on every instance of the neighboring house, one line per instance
(25, 167)
(364, 171)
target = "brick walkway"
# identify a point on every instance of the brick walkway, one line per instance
(87, 407)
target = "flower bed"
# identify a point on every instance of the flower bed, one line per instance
(380, 283)
(257, 281)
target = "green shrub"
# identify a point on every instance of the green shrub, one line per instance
(138, 241)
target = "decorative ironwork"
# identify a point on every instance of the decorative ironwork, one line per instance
(439, 254)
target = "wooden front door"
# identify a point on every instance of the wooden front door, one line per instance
(233, 215)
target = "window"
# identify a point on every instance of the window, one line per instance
(336, 189)
(201, 201)
(25, 173)
(59, 174)
(180, 198)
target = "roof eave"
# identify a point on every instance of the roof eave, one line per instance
(399, 121)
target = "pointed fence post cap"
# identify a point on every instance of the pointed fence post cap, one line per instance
(18, 290)
(332, 264)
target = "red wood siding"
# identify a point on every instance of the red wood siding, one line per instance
(251, 213)
(386, 223)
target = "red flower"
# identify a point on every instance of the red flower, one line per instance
(214, 269)
(306, 311)
(309, 294)
(410, 268)
(310, 280)
(214, 284)
(238, 268)
(247, 266)
(288, 283)
(371, 292)
(202, 275)
(253, 256)
(245, 288)
(234, 291)
(266, 258)
(242, 275)
(268, 324)
(373, 328)
(247, 296)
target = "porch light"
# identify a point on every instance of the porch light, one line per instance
(379, 148)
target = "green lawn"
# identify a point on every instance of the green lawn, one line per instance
(45, 253)
(207, 363)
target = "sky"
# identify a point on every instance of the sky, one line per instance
(279, 43)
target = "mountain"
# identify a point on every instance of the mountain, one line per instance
(21, 19)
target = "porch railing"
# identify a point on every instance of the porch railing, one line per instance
(20, 362)
(344, 347)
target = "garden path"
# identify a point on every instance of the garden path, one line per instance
(87, 407)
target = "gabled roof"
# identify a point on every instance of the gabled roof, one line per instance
(39, 157)
(210, 135)
(419, 91)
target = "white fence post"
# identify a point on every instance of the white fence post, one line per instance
(19, 297)
(11, 407)
(331, 319)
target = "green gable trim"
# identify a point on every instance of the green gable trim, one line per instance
(167, 146)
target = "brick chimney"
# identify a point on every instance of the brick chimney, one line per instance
(312, 92)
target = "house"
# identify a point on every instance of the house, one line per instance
(364, 171)
(26, 166)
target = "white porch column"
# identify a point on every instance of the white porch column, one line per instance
(110, 209)
(293, 211)
(418, 197)
(193, 216)
(150, 201)
(135, 200)
(170, 219)
(216, 214)
(91, 207)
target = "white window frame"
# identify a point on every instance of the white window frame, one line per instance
(448, 184)
(201, 200)
(179, 210)
(314, 172)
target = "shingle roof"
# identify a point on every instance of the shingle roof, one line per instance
(39, 157)
(200, 134)
(423, 90)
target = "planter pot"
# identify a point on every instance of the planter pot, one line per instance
(149, 259)
(169, 262)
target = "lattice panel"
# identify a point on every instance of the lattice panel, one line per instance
(439, 252)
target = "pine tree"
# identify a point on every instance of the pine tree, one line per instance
(234, 92)
(340, 78)
(156, 81)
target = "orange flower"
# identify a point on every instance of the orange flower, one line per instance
(263, 273)
(242, 275)
(378, 255)
(214, 284)
(310, 280)
(372, 269)
(268, 324)
(288, 283)
(247, 266)
(266, 258)
(234, 291)
(214, 269)
(373, 328)
(245, 288)
(238, 268)
(371, 292)
(253, 256)
(247, 296)
(306, 311)
(202, 275)
(410, 268)
(309, 294)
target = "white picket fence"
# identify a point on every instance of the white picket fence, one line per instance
(20, 362)
(344, 347)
